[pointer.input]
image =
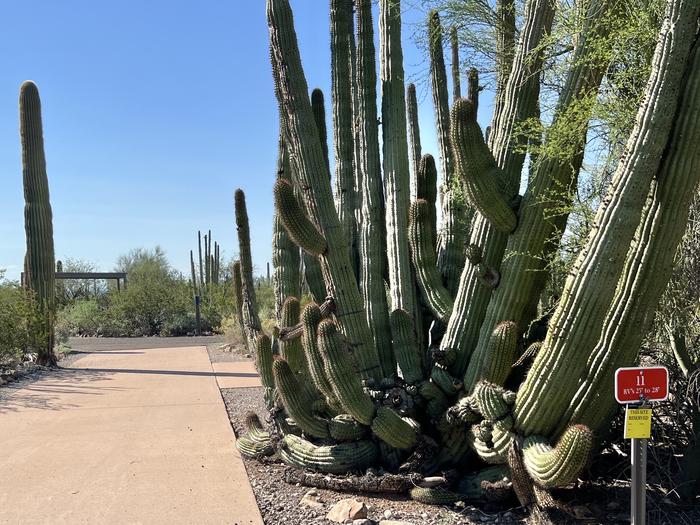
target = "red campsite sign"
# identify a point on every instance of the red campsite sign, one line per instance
(649, 383)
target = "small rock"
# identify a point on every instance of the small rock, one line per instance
(388, 513)
(424, 516)
(394, 522)
(345, 509)
(363, 521)
(311, 499)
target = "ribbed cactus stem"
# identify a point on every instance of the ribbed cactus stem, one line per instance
(263, 364)
(414, 146)
(311, 317)
(343, 147)
(341, 375)
(39, 262)
(434, 293)
(406, 347)
(296, 400)
(201, 261)
(396, 172)
(295, 221)
(451, 237)
(426, 188)
(494, 365)
(285, 255)
(332, 459)
(558, 466)
(456, 81)
(393, 429)
(291, 349)
(371, 227)
(250, 311)
(312, 175)
(237, 289)
(193, 278)
(483, 180)
(561, 365)
(435, 495)
(319, 110)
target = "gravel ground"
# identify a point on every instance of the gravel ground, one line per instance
(279, 501)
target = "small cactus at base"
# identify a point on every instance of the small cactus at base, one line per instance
(330, 459)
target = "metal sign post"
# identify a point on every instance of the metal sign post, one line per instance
(634, 387)
(638, 510)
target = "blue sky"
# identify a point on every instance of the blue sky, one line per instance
(154, 113)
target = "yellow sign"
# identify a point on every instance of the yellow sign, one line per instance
(638, 423)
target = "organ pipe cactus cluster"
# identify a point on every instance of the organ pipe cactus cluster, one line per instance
(370, 385)
(39, 265)
(206, 275)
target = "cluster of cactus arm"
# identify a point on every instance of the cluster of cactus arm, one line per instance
(436, 364)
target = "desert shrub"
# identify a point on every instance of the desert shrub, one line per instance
(19, 315)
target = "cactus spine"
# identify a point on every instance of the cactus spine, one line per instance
(39, 263)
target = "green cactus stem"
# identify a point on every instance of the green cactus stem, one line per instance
(237, 285)
(319, 110)
(558, 466)
(437, 401)
(295, 221)
(312, 175)
(435, 496)
(291, 349)
(478, 170)
(343, 427)
(495, 364)
(435, 295)
(311, 317)
(449, 384)
(563, 370)
(331, 459)
(250, 311)
(402, 289)
(285, 254)
(39, 261)
(263, 364)
(296, 401)
(529, 354)
(343, 143)
(451, 239)
(456, 81)
(414, 146)
(256, 442)
(495, 450)
(394, 430)
(406, 347)
(492, 401)
(344, 381)
(426, 188)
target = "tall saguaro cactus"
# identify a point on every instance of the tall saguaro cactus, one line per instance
(39, 264)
